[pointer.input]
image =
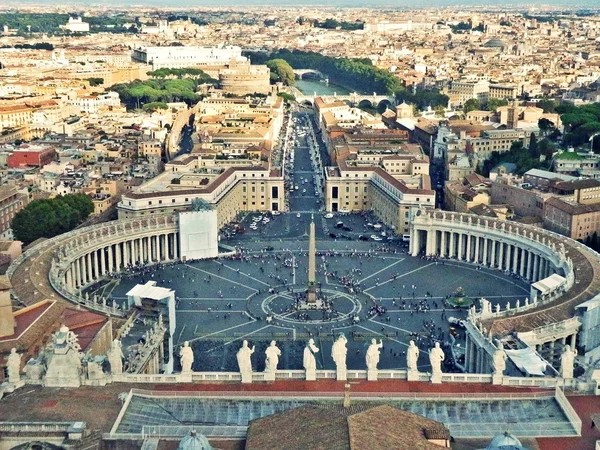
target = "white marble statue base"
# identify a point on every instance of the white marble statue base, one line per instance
(436, 378)
(372, 375)
(412, 375)
(246, 377)
(497, 378)
(311, 375)
(269, 376)
(341, 375)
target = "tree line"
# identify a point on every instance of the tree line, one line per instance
(580, 122)
(50, 217)
(163, 89)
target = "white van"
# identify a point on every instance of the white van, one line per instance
(406, 238)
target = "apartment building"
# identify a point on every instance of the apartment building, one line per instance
(462, 90)
(231, 191)
(14, 116)
(11, 202)
(354, 188)
(503, 91)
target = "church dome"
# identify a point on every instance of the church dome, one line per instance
(194, 441)
(495, 43)
(505, 441)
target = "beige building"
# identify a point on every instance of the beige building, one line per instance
(358, 188)
(503, 91)
(14, 116)
(572, 219)
(232, 191)
(471, 191)
(460, 91)
(11, 202)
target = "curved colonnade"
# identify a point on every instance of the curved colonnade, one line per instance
(67, 264)
(529, 252)
(63, 266)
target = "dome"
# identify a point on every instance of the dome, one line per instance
(505, 441)
(194, 441)
(495, 43)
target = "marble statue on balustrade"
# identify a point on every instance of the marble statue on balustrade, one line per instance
(115, 358)
(499, 359)
(309, 361)
(187, 357)
(372, 359)
(13, 367)
(566, 362)
(64, 365)
(412, 357)
(271, 361)
(244, 361)
(338, 353)
(436, 357)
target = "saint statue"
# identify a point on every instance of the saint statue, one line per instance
(566, 362)
(499, 359)
(310, 364)
(412, 356)
(115, 357)
(373, 354)
(436, 357)
(273, 353)
(338, 352)
(243, 357)
(187, 357)
(13, 366)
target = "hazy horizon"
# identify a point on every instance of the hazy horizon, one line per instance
(402, 4)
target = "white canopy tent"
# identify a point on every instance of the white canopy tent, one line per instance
(528, 361)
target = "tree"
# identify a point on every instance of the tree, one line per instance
(533, 146)
(471, 105)
(547, 104)
(494, 103)
(95, 81)
(287, 98)
(51, 217)
(282, 70)
(545, 125)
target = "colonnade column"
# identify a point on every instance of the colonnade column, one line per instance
(110, 259)
(443, 245)
(515, 266)
(452, 236)
(96, 268)
(88, 267)
(476, 256)
(468, 255)
(542, 270)
(69, 277)
(461, 241)
(530, 257)
(523, 261)
(493, 259)
(485, 252)
(501, 255)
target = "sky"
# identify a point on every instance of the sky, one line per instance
(331, 3)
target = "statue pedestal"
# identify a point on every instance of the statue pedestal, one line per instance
(436, 378)
(372, 375)
(246, 377)
(341, 374)
(311, 375)
(497, 378)
(412, 375)
(269, 376)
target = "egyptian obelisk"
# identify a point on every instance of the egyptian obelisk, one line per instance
(312, 265)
